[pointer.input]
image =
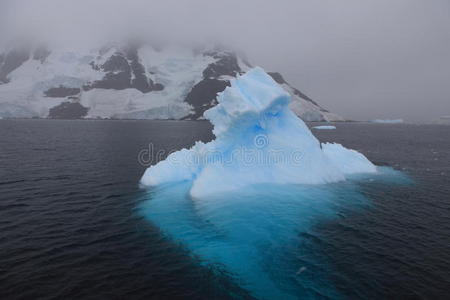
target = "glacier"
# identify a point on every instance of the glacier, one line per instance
(258, 140)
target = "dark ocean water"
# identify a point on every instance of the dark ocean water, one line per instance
(70, 226)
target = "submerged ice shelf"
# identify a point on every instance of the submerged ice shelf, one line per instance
(258, 140)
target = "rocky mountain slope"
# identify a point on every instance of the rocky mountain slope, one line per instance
(125, 82)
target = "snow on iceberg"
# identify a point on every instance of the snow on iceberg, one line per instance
(258, 140)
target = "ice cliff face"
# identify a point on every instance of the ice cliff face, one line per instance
(259, 140)
(132, 81)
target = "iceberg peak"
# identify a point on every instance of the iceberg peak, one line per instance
(258, 140)
(248, 97)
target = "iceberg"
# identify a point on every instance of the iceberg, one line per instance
(246, 205)
(259, 140)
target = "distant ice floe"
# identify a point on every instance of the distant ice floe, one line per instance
(326, 127)
(387, 121)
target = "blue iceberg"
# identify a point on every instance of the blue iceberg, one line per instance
(258, 140)
(246, 204)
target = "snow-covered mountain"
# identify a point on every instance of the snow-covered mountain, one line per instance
(126, 82)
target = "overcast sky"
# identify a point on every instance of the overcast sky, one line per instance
(362, 59)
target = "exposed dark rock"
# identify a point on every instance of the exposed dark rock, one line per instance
(116, 63)
(41, 54)
(118, 76)
(94, 66)
(68, 110)
(123, 71)
(277, 77)
(140, 80)
(301, 95)
(11, 61)
(61, 91)
(226, 64)
(203, 94)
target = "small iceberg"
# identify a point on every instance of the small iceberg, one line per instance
(326, 127)
(258, 140)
